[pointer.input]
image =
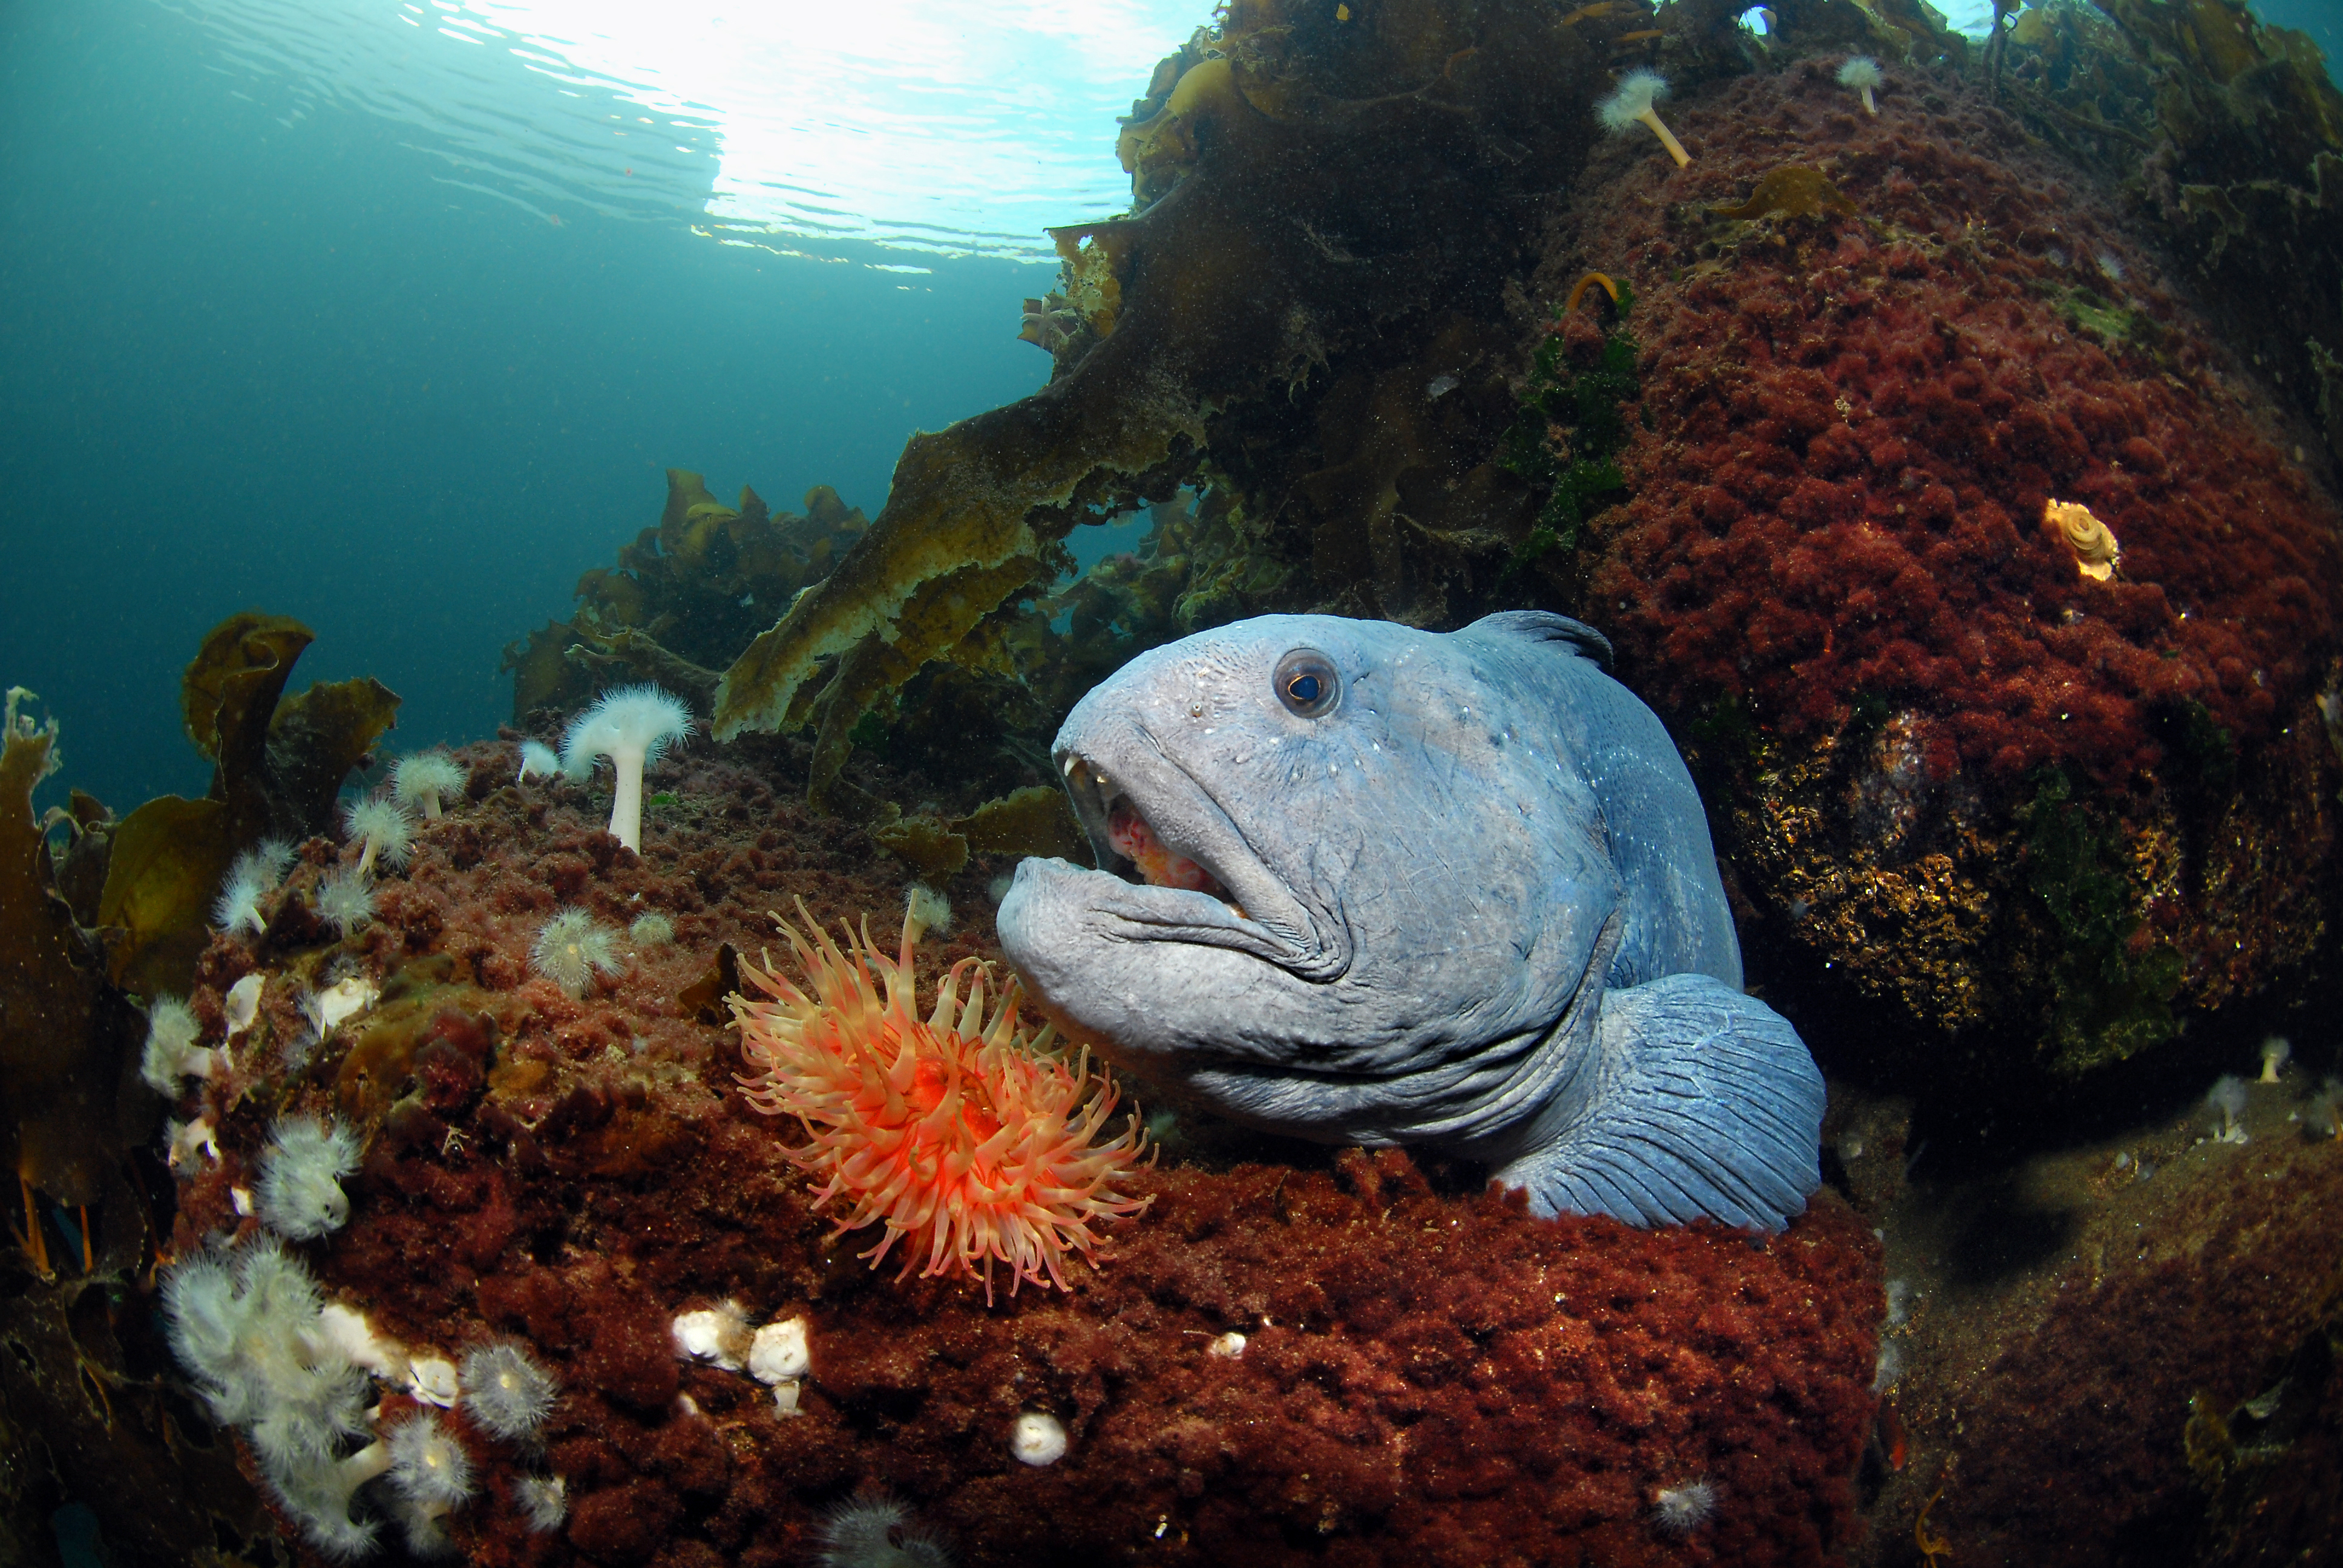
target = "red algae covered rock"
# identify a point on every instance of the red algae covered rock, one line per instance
(1350, 1363)
(1976, 778)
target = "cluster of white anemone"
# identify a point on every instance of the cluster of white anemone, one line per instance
(273, 1357)
(383, 827)
(292, 1371)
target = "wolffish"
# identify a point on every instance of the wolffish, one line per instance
(1367, 884)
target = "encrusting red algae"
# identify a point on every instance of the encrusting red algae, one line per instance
(1346, 1362)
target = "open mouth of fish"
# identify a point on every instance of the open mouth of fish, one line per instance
(1199, 880)
(1116, 823)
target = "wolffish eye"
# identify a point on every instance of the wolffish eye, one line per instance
(1306, 683)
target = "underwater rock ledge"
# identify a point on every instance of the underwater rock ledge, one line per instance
(1423, 1375)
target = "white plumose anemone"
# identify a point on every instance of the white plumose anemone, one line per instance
(387, 828)
(425, 780)
(571, 948)
(251, 878)
(1861, 74)
(174, 1047)
(1631, 105)
(345, 901)
(632, 727)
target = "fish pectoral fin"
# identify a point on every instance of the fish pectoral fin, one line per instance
(1700, 1103)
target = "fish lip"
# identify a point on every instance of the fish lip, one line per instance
(1260, 914)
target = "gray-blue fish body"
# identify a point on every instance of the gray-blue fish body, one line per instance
(1466, 898)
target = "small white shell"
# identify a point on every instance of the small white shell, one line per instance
(432, 1381)
(781, 1352)
(1037, 1438)
(243, 1005)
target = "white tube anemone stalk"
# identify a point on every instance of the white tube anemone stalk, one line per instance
(632, 726)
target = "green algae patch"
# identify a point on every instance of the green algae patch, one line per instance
(1571, 430)
(279, 764)
(2113, 993)
(2088, 311)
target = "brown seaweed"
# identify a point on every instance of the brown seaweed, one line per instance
(1791, 191)
(684, 598)
(2228, 134)
(1300, 182)
(59, 1068)
(279, 764)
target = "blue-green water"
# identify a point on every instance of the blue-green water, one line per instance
(250, 363)
(404, 372)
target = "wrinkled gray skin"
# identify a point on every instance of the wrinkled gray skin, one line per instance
(1475, 907)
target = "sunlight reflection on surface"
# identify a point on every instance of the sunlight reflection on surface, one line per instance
(920, 124)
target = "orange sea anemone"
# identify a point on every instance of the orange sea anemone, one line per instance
(961, 1132)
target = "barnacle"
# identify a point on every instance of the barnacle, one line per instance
(2096, 552)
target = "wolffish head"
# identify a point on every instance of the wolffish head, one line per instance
(1347, 882)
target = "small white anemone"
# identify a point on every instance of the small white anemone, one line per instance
(251, 876)
(1037, 1438)
(1861, 74)
(537, 760)
(543, 1501)
(2274, 1051)
(241, 1006)
(301, 1172)
(173, 1052)
(926, 911)
(864, 1531)
(507, 1394)
(781, 1352)
(385, 827)
(719, 1336)
(346, 900)
(2324, 1114)
(1631, 105)
(425, 781)
(1684, 1509)
(346, 998)
(434, 1379)
(2229, 1097)
(430, 1470)
(571, 948)
(186, 1139)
